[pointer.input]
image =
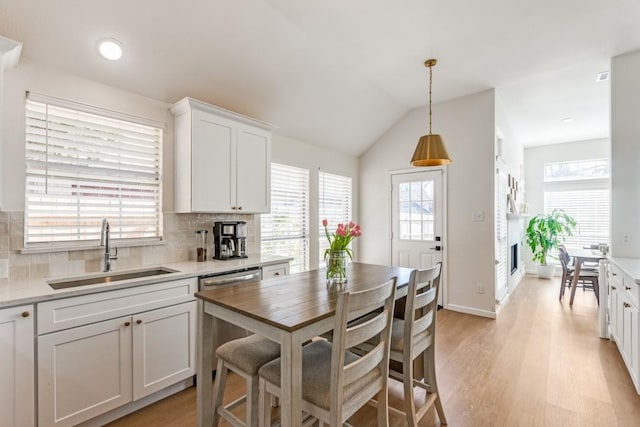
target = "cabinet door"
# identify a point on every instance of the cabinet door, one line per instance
(614, 312)
(16, 367)
(163, 348)
(630, 337)
(253, 170)
(84, 372)
(213, 181)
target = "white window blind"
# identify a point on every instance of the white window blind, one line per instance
(285, 231)
(590, 209)
(84, 164)
(334, 205)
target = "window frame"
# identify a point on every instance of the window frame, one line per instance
(305, 238)
(155, 148)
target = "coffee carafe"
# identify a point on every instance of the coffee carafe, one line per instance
(230, 239)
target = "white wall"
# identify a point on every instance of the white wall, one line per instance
(536, 157)
(296, 153)
(467, 126)
(512, 154)
(625, 152)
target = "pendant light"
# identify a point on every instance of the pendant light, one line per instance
(430, 150)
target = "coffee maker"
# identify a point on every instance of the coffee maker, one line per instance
(229, 239)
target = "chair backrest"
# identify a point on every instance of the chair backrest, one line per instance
(420, 310)
(564, 258)
(374, 366)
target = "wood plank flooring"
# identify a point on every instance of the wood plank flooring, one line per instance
(541, 363)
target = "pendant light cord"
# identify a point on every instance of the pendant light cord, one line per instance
(430, 78)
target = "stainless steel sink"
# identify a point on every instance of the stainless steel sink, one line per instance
(108, 278)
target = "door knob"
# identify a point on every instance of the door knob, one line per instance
(25, 314)
(437, 248)
(127, 323)
(138, 321)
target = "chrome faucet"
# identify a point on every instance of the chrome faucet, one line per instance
(104, 241)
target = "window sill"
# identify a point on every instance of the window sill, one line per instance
(40, 249)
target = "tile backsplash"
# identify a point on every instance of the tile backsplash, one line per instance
(178, 245)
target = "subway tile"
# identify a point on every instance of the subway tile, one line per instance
(20, 272)
(38, 271)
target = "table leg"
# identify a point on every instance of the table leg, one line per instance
(576, 275)
(204, 389)
(291, 380)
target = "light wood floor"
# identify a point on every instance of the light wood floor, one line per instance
(540, 363)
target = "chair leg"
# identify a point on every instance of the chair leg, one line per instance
(430, 376)
(264, 404)
(409, 399)
(596, 289)
(252, 401)
(218, 389)
(563, 281)
(383, 406)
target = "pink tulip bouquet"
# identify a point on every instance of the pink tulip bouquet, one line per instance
(340, 239)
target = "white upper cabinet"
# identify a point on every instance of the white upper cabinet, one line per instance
(223, 160)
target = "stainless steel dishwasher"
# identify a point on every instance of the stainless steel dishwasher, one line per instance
(224, 331)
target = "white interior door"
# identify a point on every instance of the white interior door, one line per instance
(417, 218)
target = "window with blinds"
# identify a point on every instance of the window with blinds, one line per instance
(84, 164)
(581, 189)
(334, 205)
(285, 231)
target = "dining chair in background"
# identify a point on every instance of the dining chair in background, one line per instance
(336, 382)
(588, 274)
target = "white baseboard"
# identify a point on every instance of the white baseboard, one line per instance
(120, 412)
(471, 310)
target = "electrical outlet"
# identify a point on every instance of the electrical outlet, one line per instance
(480, 289)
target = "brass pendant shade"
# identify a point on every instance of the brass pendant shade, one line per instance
(430, 150)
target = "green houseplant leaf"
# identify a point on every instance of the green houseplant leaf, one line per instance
(547, 232)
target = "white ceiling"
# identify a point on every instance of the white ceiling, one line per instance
(339, 73)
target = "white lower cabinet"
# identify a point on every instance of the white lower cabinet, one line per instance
(275, 270)
(87, 370)
(84, 372)
(163, 348)
(624, 322)
(17, 387)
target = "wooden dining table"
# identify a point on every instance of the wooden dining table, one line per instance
(580, 256)
(289, 310)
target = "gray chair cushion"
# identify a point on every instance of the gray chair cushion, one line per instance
(316, 374)
(249, 353)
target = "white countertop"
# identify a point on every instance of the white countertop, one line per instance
(37, 290)
(630, 266)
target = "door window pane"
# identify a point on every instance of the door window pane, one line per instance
(415, 210)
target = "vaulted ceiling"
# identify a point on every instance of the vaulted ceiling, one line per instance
(339, 73)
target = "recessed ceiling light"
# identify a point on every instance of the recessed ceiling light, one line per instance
(602, 76)
(568, 119)
(110, 49)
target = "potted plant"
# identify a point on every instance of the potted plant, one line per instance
(545, 233)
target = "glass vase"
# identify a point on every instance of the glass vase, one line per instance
(337, 267)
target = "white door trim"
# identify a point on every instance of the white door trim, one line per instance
(445, 230)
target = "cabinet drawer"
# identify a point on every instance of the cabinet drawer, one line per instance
(77, 311)
(276, 270)
(616, 276)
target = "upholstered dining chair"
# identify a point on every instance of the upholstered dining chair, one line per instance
(244, 356)
(413, 337)
(587, 274)
(336, 382)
